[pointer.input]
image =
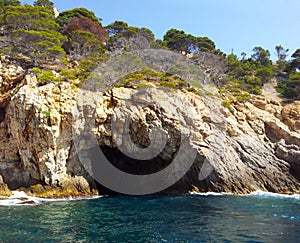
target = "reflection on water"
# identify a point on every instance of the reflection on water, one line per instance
(188, 218)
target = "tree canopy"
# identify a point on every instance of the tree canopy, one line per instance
(11, 2)
(86, 24)
(261, 55)
(4, 3)
(295, 64)
(33, 32)
(28, 17)
(290, 87)
(44, 3)
(125, 37)
(117, 27)
(85, 37)
(178, 40)
(281, 52)
(65, 16)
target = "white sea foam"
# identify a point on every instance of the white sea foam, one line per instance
(21, 198)
(276, 195)
(253, 194)
(210, 193)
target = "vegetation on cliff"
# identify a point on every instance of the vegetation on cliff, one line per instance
(35, 34)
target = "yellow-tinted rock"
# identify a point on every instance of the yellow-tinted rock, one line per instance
(291, 116)
(74, 186)
(4, 190)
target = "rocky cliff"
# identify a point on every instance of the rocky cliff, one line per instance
(248, 146)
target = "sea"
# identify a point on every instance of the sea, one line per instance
(208, 217)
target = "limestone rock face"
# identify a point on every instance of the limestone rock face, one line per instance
(251, 146)
(36, 138)
(11, 78)
(255, 151)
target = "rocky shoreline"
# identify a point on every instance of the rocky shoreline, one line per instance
(241, 148)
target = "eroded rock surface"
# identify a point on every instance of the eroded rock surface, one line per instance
(251, 146)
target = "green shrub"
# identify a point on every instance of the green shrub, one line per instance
(226, 103)
(119, 85)
(284, 88)
(182, 84)
(65, 61)
(69, 74)
(265, 73)
(248, 84)
(37, 70)
(151, 73)
(132, 77)
(294, 80)
(253, 89)
(47, 76)
(242, 97)
(73, 86)
(83, 75)
(142, 85)
(86, 65)
(253, 81)
(168, 84)
(125, 83)
(46, 114)
(289, 92)
(165, 78)
(193, 90)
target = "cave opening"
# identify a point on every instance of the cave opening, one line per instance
(2, 114)
(295, 170)
(126, 164)
(134, 166)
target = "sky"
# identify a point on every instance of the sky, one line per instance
(237, 25)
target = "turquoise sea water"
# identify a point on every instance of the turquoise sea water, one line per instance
(259, 217)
